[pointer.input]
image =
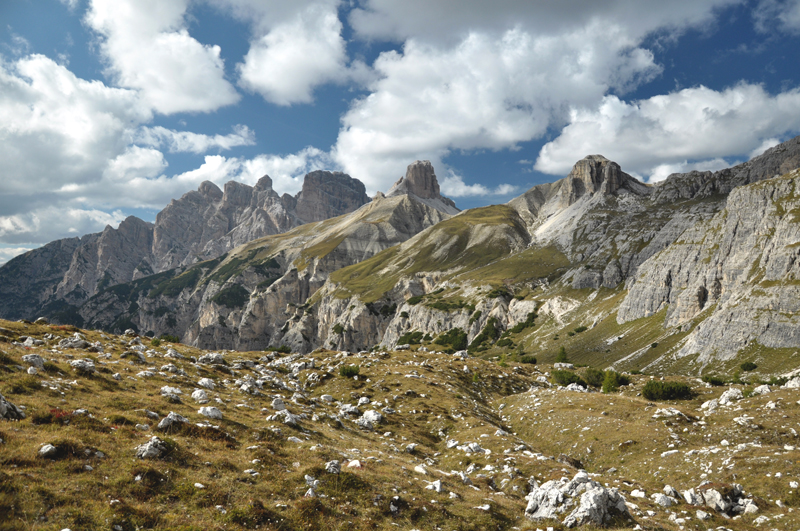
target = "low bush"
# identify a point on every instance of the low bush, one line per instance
(658, 390)
(415, 300)
(561, 357)
(455, 338)
(155, 342)
(528, 359)
(713, 379)
(594, 377)
(410, 338)
(612, 381)
(348, 371)
(338, 329)
(748, 366)
(567, 377)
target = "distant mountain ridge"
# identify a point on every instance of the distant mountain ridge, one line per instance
(201, 225)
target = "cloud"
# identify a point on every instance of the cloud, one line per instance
(689, 125)
(57, 129)
(188, 142)
(486, 92)
(441, 22)
(293, 57)
(148, 48)
(53, 222)
(7, 253)
(782, 15)
(454, 186)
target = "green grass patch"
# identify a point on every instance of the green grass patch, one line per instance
(235, 296)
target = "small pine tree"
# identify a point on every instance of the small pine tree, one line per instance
(561, 357)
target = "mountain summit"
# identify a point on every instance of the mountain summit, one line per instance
(420, 180)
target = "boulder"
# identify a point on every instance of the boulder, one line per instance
(372, 416)
(206, 383)
(83, 366)
(33, 360)
(210, 412)
(152, 449)
(730, 396)
(214, 358)
(48, 451)
(199, 396)
(172, 419)
(794, 383)
(588, 502)
(333, 467)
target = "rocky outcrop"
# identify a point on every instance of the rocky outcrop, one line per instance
(201, 225)
(420, 181)
(741, 267)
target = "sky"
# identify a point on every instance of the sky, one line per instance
(111, 108)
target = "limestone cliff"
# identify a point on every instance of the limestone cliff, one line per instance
(201, 225)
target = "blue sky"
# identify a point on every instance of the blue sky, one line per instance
(113, 107)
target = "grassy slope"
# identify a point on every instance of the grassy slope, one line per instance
(448, 246)
(463, 406)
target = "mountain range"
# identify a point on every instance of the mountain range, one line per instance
(697, 271)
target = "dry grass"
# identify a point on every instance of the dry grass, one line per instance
(82, 489)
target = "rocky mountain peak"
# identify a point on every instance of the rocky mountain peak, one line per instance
(420, 180)
(327, 194)
(264, 183)
(590, 175)
(210, 190)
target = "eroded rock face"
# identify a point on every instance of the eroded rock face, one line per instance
(201, 225)
(420, 180)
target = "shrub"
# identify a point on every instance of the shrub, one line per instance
(404, 315)
(748, 366)
(416, 299)
(713, 380)
(561, 357)
(658, 390)
(283, 349)
(455, 337)
(612, 381)
(348, 371)
(527, 323)
(581, 329)
(475, 317)
(338, 329)
(566, 378)
(654, 345)
(170, 339)
(505, 342)
(594, 377)
(410, 338)
(155, 342)
(528, 359)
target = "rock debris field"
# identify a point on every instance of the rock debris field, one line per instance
(123, 433)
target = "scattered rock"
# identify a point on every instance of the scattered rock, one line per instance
(206, 383)
(200, 396)
(210, 412)
(730, 396)
(794, 383)
(48, 451)
(83, 366)
(762, 390)
(278, 405)
(153, 449)
(333, 467)
(595, 504)
(33, 360)
(213, 358)
(172, 419)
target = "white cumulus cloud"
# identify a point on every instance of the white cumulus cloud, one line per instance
(287, 62)
(454, 186)
(486, 92)
(148, 48)
(695, 124)
(189, 142)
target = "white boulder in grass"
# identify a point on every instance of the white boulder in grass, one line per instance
(206, 383)
(594, 504)
(199, 396)
(210, 412)
(152, 449)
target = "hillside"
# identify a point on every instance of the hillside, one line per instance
(422, 441)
